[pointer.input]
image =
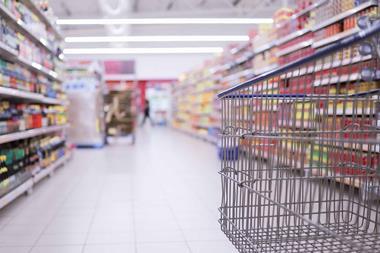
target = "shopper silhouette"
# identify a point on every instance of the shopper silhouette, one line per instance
(147, 113)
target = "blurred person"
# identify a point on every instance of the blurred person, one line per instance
(147, 113)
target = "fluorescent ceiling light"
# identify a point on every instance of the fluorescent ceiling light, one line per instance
(156, 50)
(165, 21)
(192, 38)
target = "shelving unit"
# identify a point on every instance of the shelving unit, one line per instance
(22, 183)
(30, 133)
(28, 96)
(195, 107)
(335, 38)
(32, 6)
(49, 171)
(12, 55)
(26, 92)
(17, 186)
(22, 28)
(345, 14)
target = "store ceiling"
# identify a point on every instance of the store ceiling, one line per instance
(81, 9)
(189, 8)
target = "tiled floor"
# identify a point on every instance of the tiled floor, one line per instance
(159, 196)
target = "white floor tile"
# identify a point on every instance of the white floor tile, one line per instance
(159, 236)
(108, 248)
(30, 221)
(67, 228)
(212, 246)
(155, 225)
(15, 229)
(18, 240)
(61, 239)
(15, 249)
(57, 249)
(4, 221)
(111, 238)
(203, 235)
(111, 227)
(173, 247)
(199, 224)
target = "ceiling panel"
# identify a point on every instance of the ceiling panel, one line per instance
(187, 8)
(75, 8)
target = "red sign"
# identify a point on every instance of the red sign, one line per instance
(119, 67)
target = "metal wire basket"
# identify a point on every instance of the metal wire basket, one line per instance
(307, 174)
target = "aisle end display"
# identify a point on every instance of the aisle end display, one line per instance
(84, 86)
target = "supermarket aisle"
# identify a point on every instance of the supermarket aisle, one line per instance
(158, 196)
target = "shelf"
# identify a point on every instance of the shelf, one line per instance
(18, 185)
(38, 68)
(365, 147)
(28, 96)
(294, 48)
(248, 73)
(335, 38)
(32, 6)
(20, 26)
(265, 87)
(240, 48)
(12, 55)
(339, 63)
(243, 59)
(54, 101)
(237, 62)
(5, 138)
(264, 48)
(296, 34)
(337, 79)
(315, 28)
(347, 111)
(265, 69)
(209, 89)
(303, 12)
(327, 65)
(298, 124)
(7, 52)
(345, 14)
(292, 36)
(42, 173)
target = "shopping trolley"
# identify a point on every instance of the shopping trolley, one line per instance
(307, 176)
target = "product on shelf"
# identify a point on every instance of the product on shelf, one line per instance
(295, 34)
(30, 96)
(14, 76)
(28, 37)
(30, 155)
(30, 21)
(16, 117)
(8, 36)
